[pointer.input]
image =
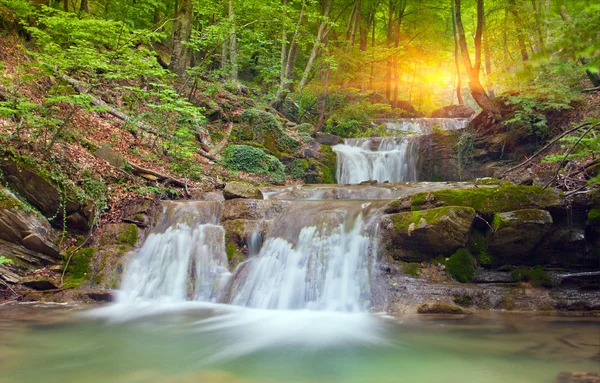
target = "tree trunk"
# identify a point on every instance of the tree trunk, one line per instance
(479, 94)
(520, 35)
(318, 42)
(233, 52)
(538, 28)
(84, 7)
(321, 118)
(182, 28)
(356, 23)
(66, 5)
(456, 58)
(286, 84)
(488, 59)
(283, 47)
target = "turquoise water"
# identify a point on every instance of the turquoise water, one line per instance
(207, 344)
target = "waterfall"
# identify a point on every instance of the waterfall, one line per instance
(322, 265)
(317, 255)
(183, 259)
(383, 159)
(391, 159)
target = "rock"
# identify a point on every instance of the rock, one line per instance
(43, 194)
(253, 209)
(327, 139)
(490, 199)
(36, 243)
(489, 276)
(440, 308)
(578, 377)
(407, 109)
(422, 235)
(8, 276)
(41, 282)
(235, 189)
(99, 295)
(114, 158)
(517, 233)
(454, 111)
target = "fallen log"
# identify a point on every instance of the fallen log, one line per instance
(140, 171)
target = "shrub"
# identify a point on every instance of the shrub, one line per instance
(344, 128)
(262, 127)
(536, 276)
(253, 160)
(461, 266)
(3, 259)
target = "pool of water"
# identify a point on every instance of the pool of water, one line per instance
(216, 343)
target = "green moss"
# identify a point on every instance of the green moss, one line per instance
(230, 250)
(78, 268)
(129, 235)
(318, 173)
(262, 127)
(411, 269)
(461, 266)
(403, 221)
(537, 276)
(594, 216)
(439, 308)
(441, 260)
(330, 161)
(305, 128)
(526, 215)
(485, 259)
(253, 160)
(489, 200)
(463, 300)
(298, 168)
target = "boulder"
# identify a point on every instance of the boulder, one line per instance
(45, 196)
(114, 158)
(237, 189)
(39, 244)
(517, 233)
(327, 139)
(253, 209)
(422, 235)
(454, 111)
(440, 308)
(407, 109)
(41, 282)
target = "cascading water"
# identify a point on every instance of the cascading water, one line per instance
(383, 159)
(183, 259)
(391, 159)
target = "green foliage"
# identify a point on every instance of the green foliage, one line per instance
(531, 108)
(537, 276)
(298, 168)
(461, 266)
(3, 260)
(253, 160)
(465, 149)
(594, 216)
(344, 128)
(588, 146)
(262, 127)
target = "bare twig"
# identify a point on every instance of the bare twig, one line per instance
(546, 147)
(562, 163)
(591, 90)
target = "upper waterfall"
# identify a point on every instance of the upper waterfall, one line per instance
(391, 159)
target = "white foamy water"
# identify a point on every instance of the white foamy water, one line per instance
(426, 125)
(391, 159)
(327, 269)
(186, 261)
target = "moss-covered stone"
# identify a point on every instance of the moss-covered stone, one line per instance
(440, 308)
(236, 189)
(411, 269)
(461, 266)
(129, 235)
(78, 267)
(318, 173)
(537, 276)
(262, 127)
(489, 200)
(423, 235)
(516, 234)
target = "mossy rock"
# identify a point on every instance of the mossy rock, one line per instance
(318, 173)
(440, 308)
(237, 189)
(262, 127)
(78, 268)
(516, 235)
(422, 235)
(461, 266)
(537, 276)
(489, 200)
(119, 234)
(593, 217)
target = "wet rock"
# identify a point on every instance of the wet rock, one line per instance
(422, 235)
(454, 111)
(99, 295)
(327, 139)
(252, 209)
(489, 276)
(8, 276)
(237, 189)
(40, 282)
(440, 308)
(578, 377)
(517, 233)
